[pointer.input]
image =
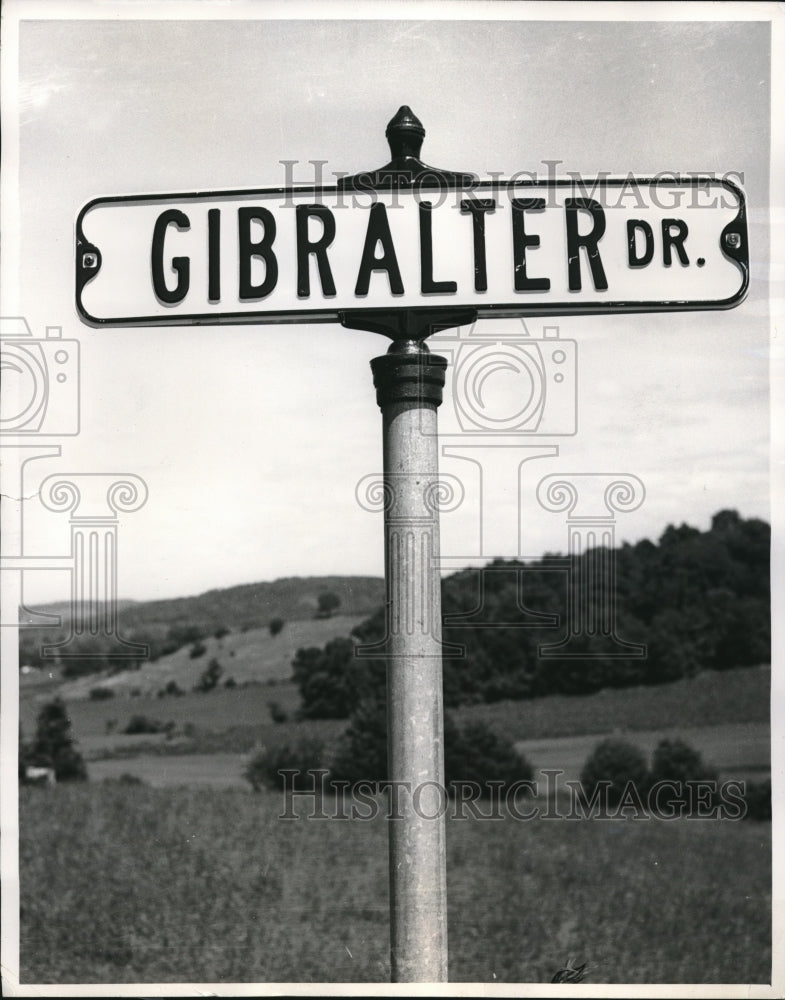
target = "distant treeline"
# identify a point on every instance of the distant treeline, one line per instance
(695, 600)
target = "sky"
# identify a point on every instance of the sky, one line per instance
(251, 440)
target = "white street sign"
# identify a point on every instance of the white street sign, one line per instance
(500, 248)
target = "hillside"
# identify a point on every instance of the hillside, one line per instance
(252, 605)
(168, 625)
(248, 605)
(245, 656)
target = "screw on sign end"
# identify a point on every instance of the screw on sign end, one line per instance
(570, 974)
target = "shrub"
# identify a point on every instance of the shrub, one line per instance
(138, 724)
(328, 602)
(53, 745)
(362, 750)
(476, 753)
(276, 626)
(277, 714)
(678, 762)
(618, 762)
(230, 682)
(675, 760)
(174, 689)
(210, 677)
(472, 753)
(198, 649)
(182, 635)
(126, 778)
(263, 767)
(101, 693)
(221, 631)
(757, 797)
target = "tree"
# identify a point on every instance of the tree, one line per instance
(276, 626)
(328, 602)
(472, 753)
(332, 681)
(53, 745)
(210, 677)
(618, 763)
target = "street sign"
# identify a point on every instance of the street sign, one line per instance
(408, 250)
(501, 248)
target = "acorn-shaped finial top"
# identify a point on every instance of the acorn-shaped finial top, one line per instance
(405, 133)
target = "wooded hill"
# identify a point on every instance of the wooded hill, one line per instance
(694, 600)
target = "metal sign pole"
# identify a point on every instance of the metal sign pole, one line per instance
(409, 384)
(409, 381)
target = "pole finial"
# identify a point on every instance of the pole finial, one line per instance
(405, 133)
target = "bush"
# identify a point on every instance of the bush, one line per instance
(276, 626)
(757, 797)
(332, 681)
(675, 760)
(472, 753)
(230, 682)
(54, 745)
(221, 631)
(138, 724)
(262, 769)
(126, 778)
(174, 689)
(277, 714)
(101, 693)
(210, 677)
(198, 649)
(619, 763)
(362, 750)
(182, 635)
(328, 602)
(475, 753)
(678, 762)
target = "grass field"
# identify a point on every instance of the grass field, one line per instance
(125, 883)
(234, 721)
(741, 751)
(132, 883)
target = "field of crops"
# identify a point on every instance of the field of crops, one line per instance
(125, 883)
